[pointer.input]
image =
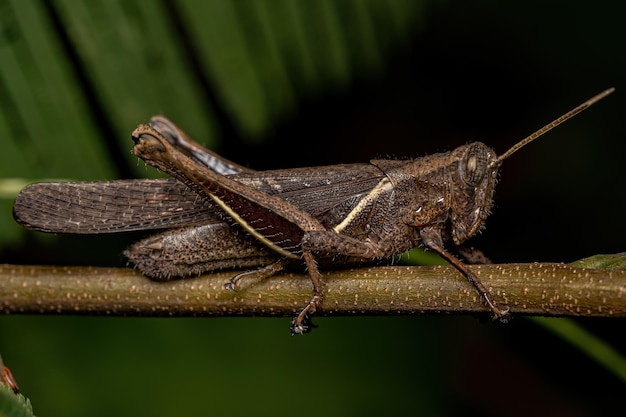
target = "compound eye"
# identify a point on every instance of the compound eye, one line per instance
(474, 165)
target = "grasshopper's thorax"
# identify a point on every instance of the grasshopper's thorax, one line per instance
(452, 190)
(473, 182)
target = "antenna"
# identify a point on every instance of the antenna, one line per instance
(552, 125)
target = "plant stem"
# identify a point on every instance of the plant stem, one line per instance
(528, 289)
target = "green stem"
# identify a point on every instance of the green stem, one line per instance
(555, 290)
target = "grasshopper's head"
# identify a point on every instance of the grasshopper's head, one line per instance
(476, 176)
(474, 181)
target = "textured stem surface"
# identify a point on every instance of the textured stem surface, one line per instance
(528, 289)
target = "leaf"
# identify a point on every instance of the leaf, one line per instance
(14, 405)
(609, 262)
(77, 76)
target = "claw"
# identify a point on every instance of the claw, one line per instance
(304, 325)
(503, 316)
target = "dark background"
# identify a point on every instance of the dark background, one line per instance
(435, 76)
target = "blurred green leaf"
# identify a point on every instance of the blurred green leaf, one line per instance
(14, 405)
(592, 346)
(77, 76)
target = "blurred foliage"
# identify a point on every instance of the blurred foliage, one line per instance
(78, 76)
(12, 405)
(283, 83)
(595, 348)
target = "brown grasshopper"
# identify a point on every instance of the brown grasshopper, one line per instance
(222, 215)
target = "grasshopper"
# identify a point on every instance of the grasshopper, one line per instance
(219, 214)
